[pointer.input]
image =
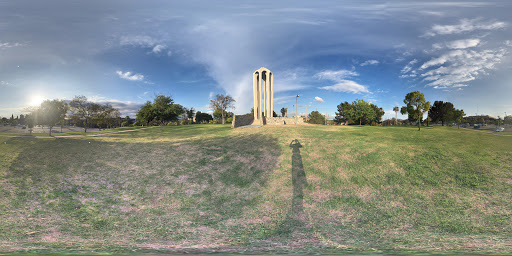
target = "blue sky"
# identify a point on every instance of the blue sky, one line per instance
(126, 52)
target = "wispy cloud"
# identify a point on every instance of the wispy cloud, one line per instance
(129, 76)
(463, 44)
(342, 83)
(453, 69)
(370, 62)
(409, 66)
(465, 25)
(10, 45)
(155, 45)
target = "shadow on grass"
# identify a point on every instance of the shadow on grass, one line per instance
(296, 218)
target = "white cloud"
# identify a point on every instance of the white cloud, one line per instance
(342, 83)
(211, 95)
(408, 67)
(346, 86)
(463, 44)
(465, 25)
(4, 83)
(319, 100)
(335, 75)
(9, 45)
(145, 42)
(158, 48)
(370, 62)
(129, 76)
(460, 66)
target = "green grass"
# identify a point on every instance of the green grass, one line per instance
(212, 188)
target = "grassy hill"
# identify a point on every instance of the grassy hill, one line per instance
(212, 188)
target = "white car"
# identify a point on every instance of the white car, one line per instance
(500, 129)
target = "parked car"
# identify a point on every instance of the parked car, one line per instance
(500, 129)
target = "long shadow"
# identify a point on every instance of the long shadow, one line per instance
(296, 218)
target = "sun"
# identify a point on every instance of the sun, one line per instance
(36, 100)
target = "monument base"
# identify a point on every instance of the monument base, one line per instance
(243, 120)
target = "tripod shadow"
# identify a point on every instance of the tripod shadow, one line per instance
(296, 217)
(298, 178)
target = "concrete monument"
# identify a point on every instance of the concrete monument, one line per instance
(263, 87)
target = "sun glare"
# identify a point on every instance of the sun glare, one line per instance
(36, 100)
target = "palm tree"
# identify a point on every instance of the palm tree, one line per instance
(396, 109)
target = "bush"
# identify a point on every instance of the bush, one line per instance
(137, 123)
(154, 123)
(185, 122)
(229, 120)
(125, 124)
(172, 123)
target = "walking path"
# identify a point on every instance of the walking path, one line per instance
(72, 136)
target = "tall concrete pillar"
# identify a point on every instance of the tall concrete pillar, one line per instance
(271, 79)
(255, 94)
(260, 92)
(263, 94)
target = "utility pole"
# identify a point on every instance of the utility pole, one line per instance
(296, 111)
(327, 111)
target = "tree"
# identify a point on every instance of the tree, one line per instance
(458, 116)
(316, 118)
(190, 113)
(146, 113)
(342, 115)
(165, 110)
(379, 112)
(441, 111)
(22, 119)
(507, 120)
(396, 109)
(82, 109)
(200, 117)
(51, 112)
(222, 102)
(29, 119)
(361, 110)
(284, 111)
(416, 106)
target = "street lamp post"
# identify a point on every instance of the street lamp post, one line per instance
(296, 113)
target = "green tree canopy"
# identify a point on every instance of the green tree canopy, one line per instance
(283, 111)
(441, 111)
(342, 115)
(316, 118)
(223, 103)
(362, 111)
(162, 110)
(51, 113)
(200, 117)
(416, 106)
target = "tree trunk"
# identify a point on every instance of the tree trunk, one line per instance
(85, 125)
(359, 121)
(442, 123)
(223, 116)
(419, 124)
(51, 130)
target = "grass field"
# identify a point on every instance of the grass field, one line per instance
(281, 189)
